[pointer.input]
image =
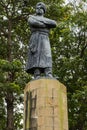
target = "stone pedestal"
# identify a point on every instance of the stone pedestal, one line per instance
(45, 105)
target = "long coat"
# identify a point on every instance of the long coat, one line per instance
(39, 54)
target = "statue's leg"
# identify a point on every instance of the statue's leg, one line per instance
(48, 72)
(37, 73)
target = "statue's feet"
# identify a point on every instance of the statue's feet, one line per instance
(48, 72)
(49, 76)
(37, 77)
(37, 74)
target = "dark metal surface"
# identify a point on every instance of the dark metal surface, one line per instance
(39, 53)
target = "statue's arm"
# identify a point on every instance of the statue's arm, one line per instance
(50, 23)
(35, 22)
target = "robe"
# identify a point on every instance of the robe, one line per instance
(39, 53)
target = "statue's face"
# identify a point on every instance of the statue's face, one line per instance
(39, 10)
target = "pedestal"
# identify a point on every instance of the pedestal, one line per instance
(45, 105)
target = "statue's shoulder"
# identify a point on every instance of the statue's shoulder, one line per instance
(31, 18)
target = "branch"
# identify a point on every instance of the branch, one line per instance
(4, 33)
(84, 47)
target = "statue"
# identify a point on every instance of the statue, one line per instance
(39, 54)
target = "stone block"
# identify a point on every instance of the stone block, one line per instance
(45, 105)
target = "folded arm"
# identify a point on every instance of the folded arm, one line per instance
(50, 23)
(41, 22)
(33, 21)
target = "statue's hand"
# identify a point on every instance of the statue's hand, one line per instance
(33, 48)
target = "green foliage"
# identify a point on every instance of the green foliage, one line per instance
(14, 35)
(13, 66)
(69, 51)
(2, 114)
(78, 109)
(70, 63)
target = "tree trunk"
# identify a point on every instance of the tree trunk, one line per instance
(10, 116)
(9, 41)
(9, 96)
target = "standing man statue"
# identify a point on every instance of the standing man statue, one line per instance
(39, 54)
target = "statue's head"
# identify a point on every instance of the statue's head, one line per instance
(40, 6)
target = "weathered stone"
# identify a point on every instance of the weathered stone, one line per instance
(45, 105)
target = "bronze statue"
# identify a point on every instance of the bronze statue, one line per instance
(39, 54)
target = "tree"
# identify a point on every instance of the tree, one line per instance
(13, 44)
(69, 51)
(69, 55)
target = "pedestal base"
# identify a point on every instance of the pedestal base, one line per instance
(45, 105)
